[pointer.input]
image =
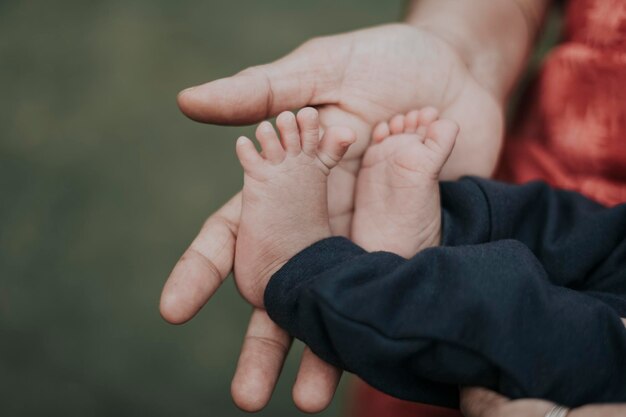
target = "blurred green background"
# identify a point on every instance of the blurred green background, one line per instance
(103, 183)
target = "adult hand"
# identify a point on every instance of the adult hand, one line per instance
(355, 80)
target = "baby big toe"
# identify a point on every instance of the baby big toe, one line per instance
(440, 139)
(334, 145)
(272, 149)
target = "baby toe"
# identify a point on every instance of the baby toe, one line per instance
(270, 144)
(308, 124)
(334, 145)
(289, 132)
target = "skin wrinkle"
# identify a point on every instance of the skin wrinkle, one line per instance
(269, 105)
(231, 225)
(210, 265)
(313, 94)
(258, 72)
(272, 344)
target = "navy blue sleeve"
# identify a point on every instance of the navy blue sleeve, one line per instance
(483, 315)
(581, 244)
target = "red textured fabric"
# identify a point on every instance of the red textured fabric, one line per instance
(368, 402)
(571, 133)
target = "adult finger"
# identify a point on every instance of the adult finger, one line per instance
(480, 402)
(310, 75)
(261, 360)
(203, 266)
(316, 383)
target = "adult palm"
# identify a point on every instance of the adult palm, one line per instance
(356, 80)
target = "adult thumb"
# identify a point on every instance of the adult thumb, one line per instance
(308, 76)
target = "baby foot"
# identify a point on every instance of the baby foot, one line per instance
(284, 206)
(398, 208)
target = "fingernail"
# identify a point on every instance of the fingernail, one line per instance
(187, 90)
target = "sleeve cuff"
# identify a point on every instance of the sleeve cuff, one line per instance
(281, 292)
